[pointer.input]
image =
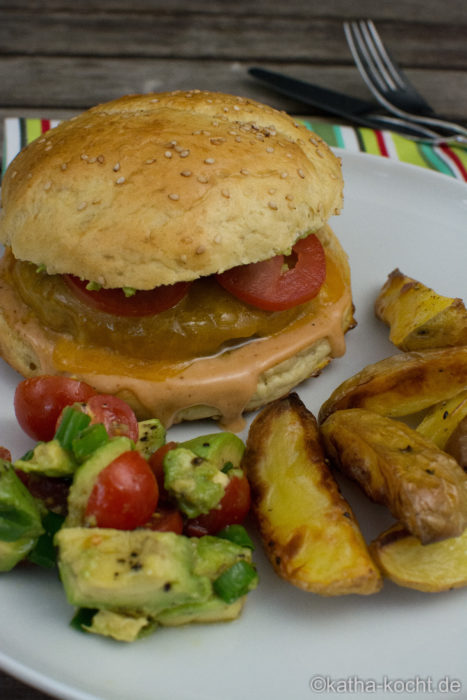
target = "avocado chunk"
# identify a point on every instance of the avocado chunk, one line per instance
(48, 459)
(123, 628)
(130, 582)
(141, 572)
(195, 482)
(86, 475)
(224, 450)
(151, 436)
(20, 518)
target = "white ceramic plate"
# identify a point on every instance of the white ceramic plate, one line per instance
(394, 216)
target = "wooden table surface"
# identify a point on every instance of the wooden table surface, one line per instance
(58, 57)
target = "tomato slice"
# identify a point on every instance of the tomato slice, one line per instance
(116, 415)
(268, 286)
(142, 303)
(125, 494)
(232, 509)
(39, 402)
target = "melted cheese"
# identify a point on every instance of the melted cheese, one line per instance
(227, 382)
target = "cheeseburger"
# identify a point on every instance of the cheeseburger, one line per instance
(173, 249)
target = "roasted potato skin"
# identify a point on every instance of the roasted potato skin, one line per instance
(443, 419)
(402, 384)
(432, 568)
(418, 317)
(308, 530)
(422, 486)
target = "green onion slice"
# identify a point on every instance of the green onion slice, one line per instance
(236, 534)
(236, 581)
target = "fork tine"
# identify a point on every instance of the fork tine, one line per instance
(380, 58)
(362, 57)
(380, 50)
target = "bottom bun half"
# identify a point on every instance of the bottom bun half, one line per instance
(224, 386)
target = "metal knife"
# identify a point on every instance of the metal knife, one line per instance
(350, 108)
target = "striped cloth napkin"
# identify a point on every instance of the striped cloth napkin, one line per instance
(452, 161)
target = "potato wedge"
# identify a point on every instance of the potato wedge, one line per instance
(403, 384)
(418, 317)
(308, 529)
(422, 486)
(433, 568)
(443, 418)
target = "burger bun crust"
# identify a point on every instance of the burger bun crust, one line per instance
(154, 189)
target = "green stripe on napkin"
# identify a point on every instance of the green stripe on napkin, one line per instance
(444, 159)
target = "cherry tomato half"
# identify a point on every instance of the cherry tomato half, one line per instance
(5, 454)
(39, 402)
(115, 414)
(156, 462)
(232, 509)
(266, 285)
(142, 303)
(166, 520)
(125, 494)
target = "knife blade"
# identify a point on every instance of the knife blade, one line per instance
(352, 109)
(313, 95)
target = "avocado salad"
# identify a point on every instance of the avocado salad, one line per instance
(143, 532)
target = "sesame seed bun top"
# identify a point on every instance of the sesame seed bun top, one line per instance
(154, 189)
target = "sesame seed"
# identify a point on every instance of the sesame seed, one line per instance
(202, 178)
(168, 154)
(47, 186)
(300, 173)
(92, 160)
(269, 149)
(100, 158)
(260, 136)
(186, 173)
(48, 147)
(42, 140)
(238, 139)
(272, 190)
(14, 174)
(272, 205)
(183, 257)
(236, 108)
(217, 141)
(289, 155)
(232, 132)
(120, 181)
(244, 171)
(149, 161)
(200, 250)
(218, 238)
(209, 161)
(284, 174)
(82, 205)
(84, 156)
(206, 133)
(226, 194)
(319, 153)
(116, 167)
(289, 197)
(173, 196)
(184, 153)
(154, 99)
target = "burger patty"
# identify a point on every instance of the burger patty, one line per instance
(206, 320)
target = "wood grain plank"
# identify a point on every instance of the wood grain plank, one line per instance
(221, 36)
(432, 11)
(78, 83)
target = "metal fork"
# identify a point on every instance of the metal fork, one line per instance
(386, 80)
